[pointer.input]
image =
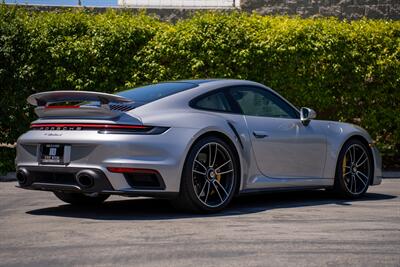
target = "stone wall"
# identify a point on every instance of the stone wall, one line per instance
(343, 9)
(164, 14)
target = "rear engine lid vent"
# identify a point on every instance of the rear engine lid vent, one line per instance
(122, 107)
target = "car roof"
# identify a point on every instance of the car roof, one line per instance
(198, 81)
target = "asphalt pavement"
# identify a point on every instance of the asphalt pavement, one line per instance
(310, 228)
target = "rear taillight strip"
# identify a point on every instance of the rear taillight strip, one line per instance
(101, 128)
(61, 126)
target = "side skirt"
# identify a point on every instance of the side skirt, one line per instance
(279, 189)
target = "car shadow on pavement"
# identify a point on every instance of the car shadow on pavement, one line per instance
(159, 209)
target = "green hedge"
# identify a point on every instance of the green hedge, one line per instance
(7, 156)
(69, 50)
(348, 71)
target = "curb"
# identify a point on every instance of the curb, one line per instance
(391, 174)
(9, 177)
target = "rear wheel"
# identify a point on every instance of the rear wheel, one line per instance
(81, 199)
(354, 170)
(209, 177)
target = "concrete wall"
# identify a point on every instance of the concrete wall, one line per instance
(349, 9)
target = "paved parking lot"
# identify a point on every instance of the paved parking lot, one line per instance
(303, 229)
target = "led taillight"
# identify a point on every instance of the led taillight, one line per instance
(87, 125)
(100, 128)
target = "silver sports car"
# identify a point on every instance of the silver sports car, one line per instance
(196, 142)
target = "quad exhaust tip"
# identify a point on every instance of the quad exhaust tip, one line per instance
(86, 178)
(23, 177)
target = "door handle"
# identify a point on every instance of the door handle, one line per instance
(260, 134)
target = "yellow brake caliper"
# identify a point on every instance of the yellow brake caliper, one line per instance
(218, 177)
(344, 165)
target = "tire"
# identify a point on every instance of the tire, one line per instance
(208, 183)
(81, 199)
(354, 170)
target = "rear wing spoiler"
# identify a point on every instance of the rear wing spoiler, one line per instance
(42, 101)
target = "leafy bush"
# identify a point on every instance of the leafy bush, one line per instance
(72, 50)
(7, 156)
(348, 71)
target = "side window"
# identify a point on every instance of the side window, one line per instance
(214, 102)
(255, 101)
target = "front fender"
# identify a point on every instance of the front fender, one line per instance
(337, 135)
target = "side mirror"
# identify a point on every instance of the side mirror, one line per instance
(306, 115)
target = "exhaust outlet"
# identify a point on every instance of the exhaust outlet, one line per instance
(86, 178)
(23, 177)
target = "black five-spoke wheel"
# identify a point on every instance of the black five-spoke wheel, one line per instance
(209, 177)
(354, 170)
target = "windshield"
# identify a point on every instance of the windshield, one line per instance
(154, 92)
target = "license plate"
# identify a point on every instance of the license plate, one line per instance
(52, 153)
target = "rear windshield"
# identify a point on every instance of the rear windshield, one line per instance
(153, 92)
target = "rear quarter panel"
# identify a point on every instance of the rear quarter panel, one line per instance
(202, 123)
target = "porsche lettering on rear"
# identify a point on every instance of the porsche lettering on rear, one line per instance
(58, 128)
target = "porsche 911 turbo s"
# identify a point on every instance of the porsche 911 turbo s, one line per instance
(198, 143)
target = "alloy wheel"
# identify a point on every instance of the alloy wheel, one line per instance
(213, 174)
(356, 169)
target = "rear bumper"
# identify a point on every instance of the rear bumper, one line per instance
(90, 150)
(76, 189)
(65, 179)
(59, 178)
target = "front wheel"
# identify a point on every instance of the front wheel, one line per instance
(81, 199)
(354, 170)
(209, 177)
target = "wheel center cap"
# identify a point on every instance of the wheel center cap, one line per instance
(211, 174)
(354, 169)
